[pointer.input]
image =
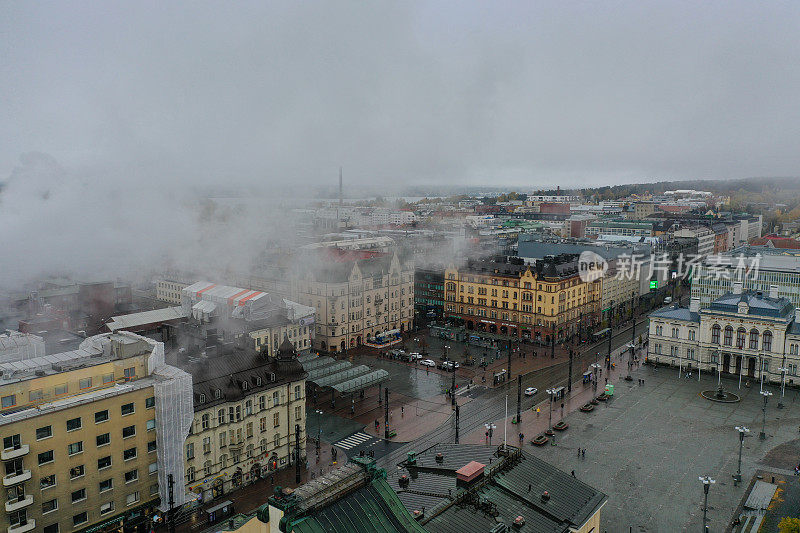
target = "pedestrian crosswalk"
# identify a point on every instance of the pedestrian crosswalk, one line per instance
(354, 440)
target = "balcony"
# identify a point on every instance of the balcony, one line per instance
(13, 479)
(22, 527)
(13, 453)
(18, 503)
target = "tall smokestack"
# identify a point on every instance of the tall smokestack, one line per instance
(340, 187)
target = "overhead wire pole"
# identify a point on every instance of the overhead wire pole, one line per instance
(457, 422)
(519, 398)
(610, 331)
(386, 413)
(297, 453)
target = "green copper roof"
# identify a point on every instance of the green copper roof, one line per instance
(374, 508)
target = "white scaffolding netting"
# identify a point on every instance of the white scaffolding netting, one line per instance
(174, 415)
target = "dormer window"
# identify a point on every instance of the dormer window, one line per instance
(218, 393)
(258, 381)
(245, 385)
(202, 398)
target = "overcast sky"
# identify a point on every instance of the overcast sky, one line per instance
(519, 93)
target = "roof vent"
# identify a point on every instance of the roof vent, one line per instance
(737, 287)
(439, 458)
(40, 372)
(545, 497)
(773, 292)
(403, 481)
(519, 521)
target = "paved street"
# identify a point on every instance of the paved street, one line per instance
(647, 447)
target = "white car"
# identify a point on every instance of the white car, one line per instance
(427, 362)
(414, 356)
(530, 391)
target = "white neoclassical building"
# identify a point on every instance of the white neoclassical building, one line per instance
(742, 333)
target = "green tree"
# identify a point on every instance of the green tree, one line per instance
(789, 525)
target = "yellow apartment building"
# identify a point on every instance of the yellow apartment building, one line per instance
(85, 444)
(528, 301)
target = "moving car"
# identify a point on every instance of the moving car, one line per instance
(427, 362)
(414, 356)
(530, 391)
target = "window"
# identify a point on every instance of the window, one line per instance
(207, 468)
(35, 395)
(52, 528)
(202, 398)
(132, 498)
(766, 343)
(238, 412)
(85, 383)
(101, 416)
(129, 373)
(728, 340)
(106, 484)
(104, 462)
(248, 407)
(154, 489)
(206, 445)
(129, 454)
(76, 471)
(297, 392)
(49, 506)
(190, 474)
(108, 378)
(190, 450)
(128, 409)
(204, 421)
(103, 439)
(75, 447)
(150, 402)
(277, 440)
(9, 401)
(131, 475)
(80, 518)
(298, 413)
(73, 424)
(691, 334)
(46, 457)
(221, 416)
(715, 334)
(47, 481)
(106, 508)
(61, 389)
(249, 429)
(78, 495)
(44, 432)
(223, 439)
(740, 335)
(151, 424)
(152, 468)
(151, 446)
(11, 442)
(262, 423)
(223, 461)
(128, 431)
(276, 398)
(276, 419)
(218, 394)
(753, 339)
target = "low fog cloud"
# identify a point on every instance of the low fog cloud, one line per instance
(144, 106)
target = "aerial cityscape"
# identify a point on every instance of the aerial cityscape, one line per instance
(400, 267)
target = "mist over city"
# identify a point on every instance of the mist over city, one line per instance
(400, 267)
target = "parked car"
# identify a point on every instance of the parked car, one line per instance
(668, 300)
(530, 391)
(427, 362)
(414, 356)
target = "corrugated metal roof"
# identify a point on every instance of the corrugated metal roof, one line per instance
(145, 317)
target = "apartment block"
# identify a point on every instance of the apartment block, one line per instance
(90, 436)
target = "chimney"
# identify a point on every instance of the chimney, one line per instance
(737, 287)
(694, 305)
(773, 291)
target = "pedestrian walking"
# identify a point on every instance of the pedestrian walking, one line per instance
(583, 453)
(573, 473)
(579, 452)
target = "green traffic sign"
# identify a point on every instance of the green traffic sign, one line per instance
(654, 284)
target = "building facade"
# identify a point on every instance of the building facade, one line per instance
(742, 333)
(510, 297)
(358, 299)
(247, 407)
(169, 290)
(429, 292)
(89, 440)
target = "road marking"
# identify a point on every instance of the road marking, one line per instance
(353, 440)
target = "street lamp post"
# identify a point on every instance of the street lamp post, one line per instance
(610, 326)
(766, 394)
(319, 427)
(707, 482)
(737, 478)
(719, 369)
(550, 393)
(783, 370)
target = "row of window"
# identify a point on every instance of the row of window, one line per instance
(38, 395)
(741, 333)
(210, 468)
(236, 435)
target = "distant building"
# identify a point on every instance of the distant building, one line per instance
(17, 346)
(620, 227)
(429, 292)
(746, 333)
